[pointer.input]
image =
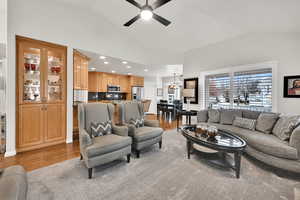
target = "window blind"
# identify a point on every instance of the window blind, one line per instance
(218, 91)
(250, 90)
(253, 89)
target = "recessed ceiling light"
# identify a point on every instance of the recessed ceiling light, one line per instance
(102, 57)
(106, 62)
(92, 68)
(128, 67)
(146, 70)
(129, 73)
(113, 71)
(124, 62)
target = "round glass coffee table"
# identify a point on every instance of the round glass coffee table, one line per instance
(222, 144)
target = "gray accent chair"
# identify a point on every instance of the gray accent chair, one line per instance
(103, 149)
(13, 183)
(145, 136)
(267, 148)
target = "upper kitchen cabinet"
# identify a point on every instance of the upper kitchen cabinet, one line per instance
(124, 83)
(95, 82)
(136, 81)
(80, 68)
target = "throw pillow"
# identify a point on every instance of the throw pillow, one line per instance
(266, 122)
(202, 116)
(251, 114)
(137, 122)
(228, 115)
(213, 116)
(285, 126)
(245, 123)
(101, 129)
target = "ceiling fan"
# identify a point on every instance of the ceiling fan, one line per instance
(147, 12)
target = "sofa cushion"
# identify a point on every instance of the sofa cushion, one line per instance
(250, 114)
(202, 116)
(106, 144)
(138, 122)
(266, 122)
(213, 116)
(146, 133)
(245, 123)
(228, 115)
(95, 112)
(265, 143)
(285, 126)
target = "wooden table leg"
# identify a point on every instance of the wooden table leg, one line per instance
(237, 163)
(188, 147)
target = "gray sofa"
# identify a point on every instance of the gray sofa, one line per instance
(103, 149)
(13, 183)
(144, 136)
(267, 148)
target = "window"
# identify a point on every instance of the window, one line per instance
(250, 90)
(218, 91)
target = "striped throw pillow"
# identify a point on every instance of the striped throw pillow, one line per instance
(137, 122)
(101, 128)
(245, 123)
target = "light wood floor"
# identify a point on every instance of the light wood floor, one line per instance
(47, 156)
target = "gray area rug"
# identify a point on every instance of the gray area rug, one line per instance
(164, 174)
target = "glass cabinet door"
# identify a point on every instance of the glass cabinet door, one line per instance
(55, 75)
(30, 68)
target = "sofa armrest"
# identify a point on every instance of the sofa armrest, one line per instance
(295, 139)
(120, 130)
(84, 139)
(151, 123)
(131, 129)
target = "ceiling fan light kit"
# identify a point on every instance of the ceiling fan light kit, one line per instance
(147, 13)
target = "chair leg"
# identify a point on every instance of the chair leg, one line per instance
(160, 144)
(90, 173)
(81, 157)
(128, 158)
(137, 153)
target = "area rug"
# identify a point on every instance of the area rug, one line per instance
(164, 174)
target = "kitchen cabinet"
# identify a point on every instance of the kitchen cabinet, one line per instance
(80, 70)
(136, 81)
(41, 94)
(95, 82)
(124, 84)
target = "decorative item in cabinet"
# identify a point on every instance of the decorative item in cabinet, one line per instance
(31, 75)
(55, 69)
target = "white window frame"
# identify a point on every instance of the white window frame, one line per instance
(231, 70)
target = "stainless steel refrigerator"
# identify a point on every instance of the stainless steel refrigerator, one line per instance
(137, 93)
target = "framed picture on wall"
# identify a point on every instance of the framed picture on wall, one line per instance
(192, 83)
(291, 86)
(159, 92)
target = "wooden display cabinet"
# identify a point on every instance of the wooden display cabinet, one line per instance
(41, 94)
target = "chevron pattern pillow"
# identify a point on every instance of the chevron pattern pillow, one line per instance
(137, 122)
(101, 128)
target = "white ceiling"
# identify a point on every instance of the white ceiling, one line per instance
(116, 65)
(196, 23)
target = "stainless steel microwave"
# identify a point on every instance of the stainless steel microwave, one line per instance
(113, 88)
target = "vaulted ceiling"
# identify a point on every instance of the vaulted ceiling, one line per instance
(196, 23)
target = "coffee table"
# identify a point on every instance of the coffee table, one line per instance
(224, 144)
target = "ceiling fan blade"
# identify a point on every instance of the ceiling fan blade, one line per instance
(161, 19)
(132, 20)
(136, 4)
(159, 3)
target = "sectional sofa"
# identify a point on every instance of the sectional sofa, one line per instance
(271, 138)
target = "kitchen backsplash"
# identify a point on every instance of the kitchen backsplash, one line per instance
(80, 95)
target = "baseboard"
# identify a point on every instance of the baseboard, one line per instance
(10, 153)
(70, 140)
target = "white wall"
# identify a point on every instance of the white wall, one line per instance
(250, 49)
(3, 21)
(150, 88)
(60, 23)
